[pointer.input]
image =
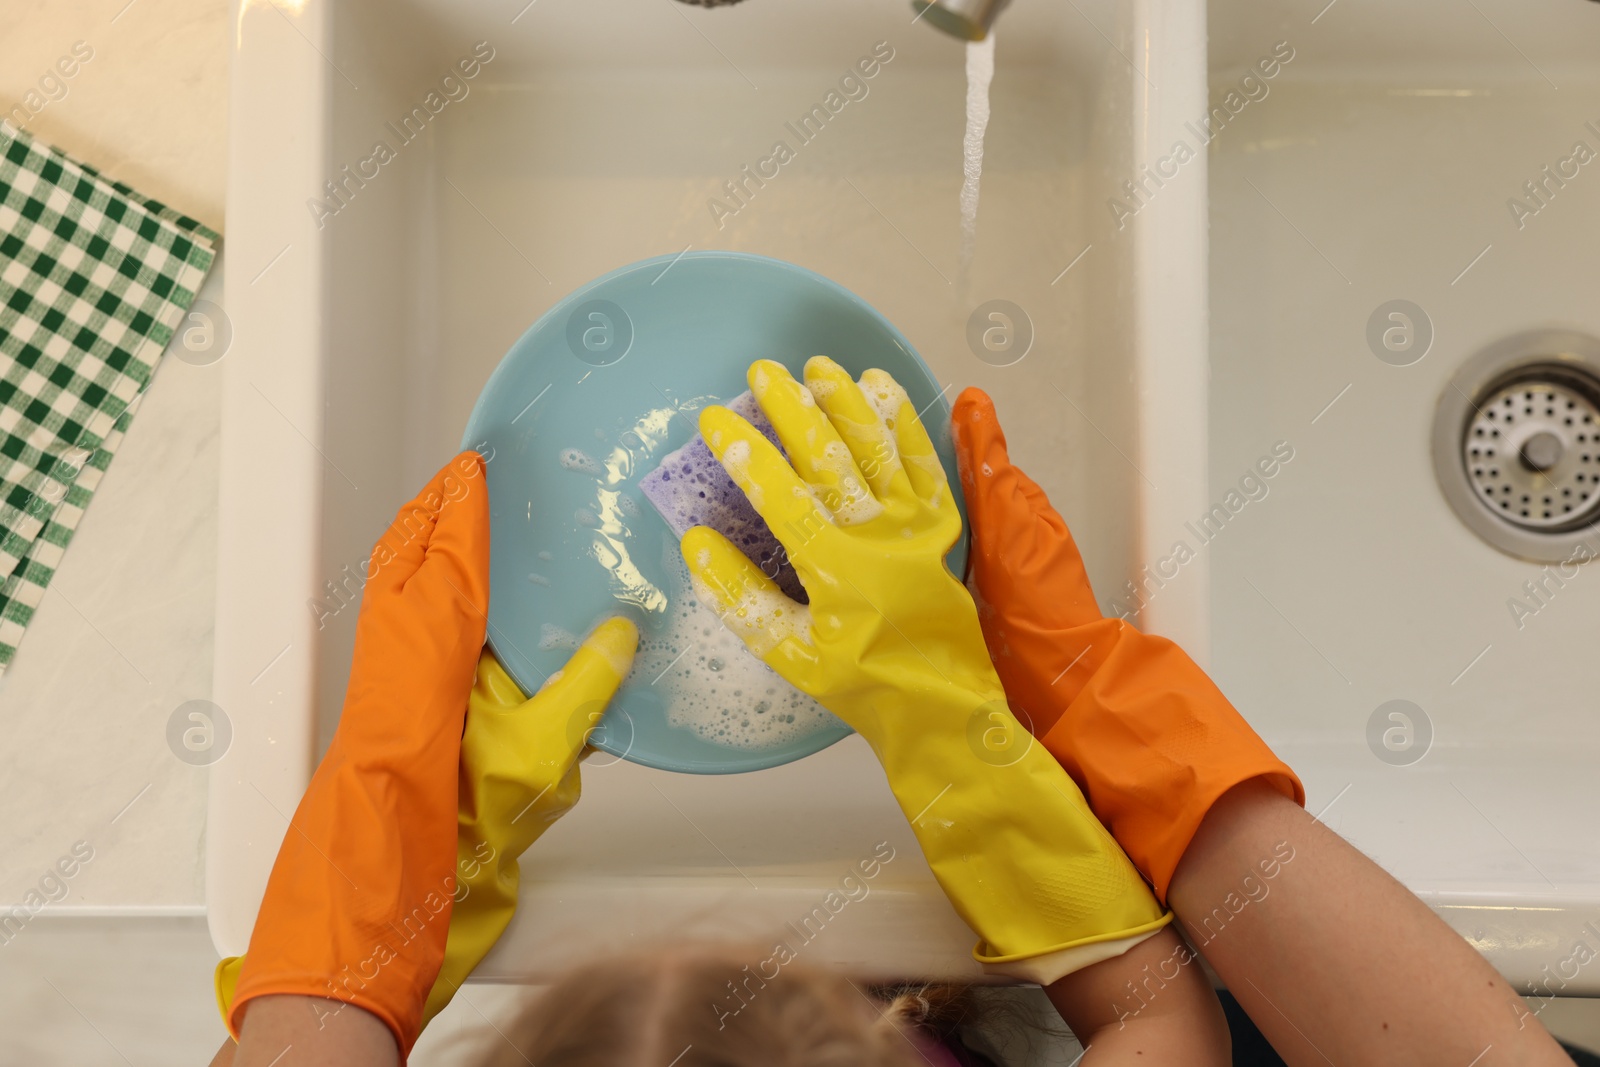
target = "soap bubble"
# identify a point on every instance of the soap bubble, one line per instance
(706, 677)
(580, 462)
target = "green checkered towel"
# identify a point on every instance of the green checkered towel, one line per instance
(94, 281)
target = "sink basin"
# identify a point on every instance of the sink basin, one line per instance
(379, 288)
(1378, 168)
(1365, 630)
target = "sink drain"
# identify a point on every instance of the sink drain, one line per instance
(1531, 452)
(1517, 444)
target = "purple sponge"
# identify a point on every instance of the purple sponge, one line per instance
(690, 488)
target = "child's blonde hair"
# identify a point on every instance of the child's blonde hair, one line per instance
(674, 1008)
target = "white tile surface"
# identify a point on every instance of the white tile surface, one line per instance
(122, 638)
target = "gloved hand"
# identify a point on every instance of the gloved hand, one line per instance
(519, 773)
(1134, 720)
(891, 644)
(358, 903)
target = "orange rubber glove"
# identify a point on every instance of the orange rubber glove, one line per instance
(1140, 727)
(358, 903)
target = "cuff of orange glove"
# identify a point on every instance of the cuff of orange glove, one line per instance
(1056, 963)
(316, 987)
(1168, 847)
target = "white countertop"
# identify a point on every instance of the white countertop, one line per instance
(122, 638)
(123, 635)
(149, 108)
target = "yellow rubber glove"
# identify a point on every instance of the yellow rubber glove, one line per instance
(519, 774)
(891, 644)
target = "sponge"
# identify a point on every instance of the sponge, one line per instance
(690, 488)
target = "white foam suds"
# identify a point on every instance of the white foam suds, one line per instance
(546, 555)
(710, 683)
(886, 395)
(735, 459)
(855, 505)
(849, 502)
(552, 637)
(537, 578)
(581, 462)
(980, 72)
(822, 388)
(762, 614)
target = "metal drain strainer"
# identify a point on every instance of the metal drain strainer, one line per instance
(1516, 444)
(1531, 453)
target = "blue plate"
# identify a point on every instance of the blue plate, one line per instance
(587, 402)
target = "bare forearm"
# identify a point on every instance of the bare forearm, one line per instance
(322, 1033)
(1334, 959)
(1152, 1004)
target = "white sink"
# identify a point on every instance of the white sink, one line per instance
(593, 137)
(1378, 168)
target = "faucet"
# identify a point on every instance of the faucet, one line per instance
(969, 20)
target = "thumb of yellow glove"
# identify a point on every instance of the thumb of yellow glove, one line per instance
(519, 774)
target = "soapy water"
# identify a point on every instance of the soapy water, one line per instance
(556, 638)
(980, 72)
(581, 462)
(608, 520)
(710, 683)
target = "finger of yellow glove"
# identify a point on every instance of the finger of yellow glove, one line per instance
(581, 690)
(772, 626)
(814, 446)
(861, 427)
(794, 514)
(921, 462)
